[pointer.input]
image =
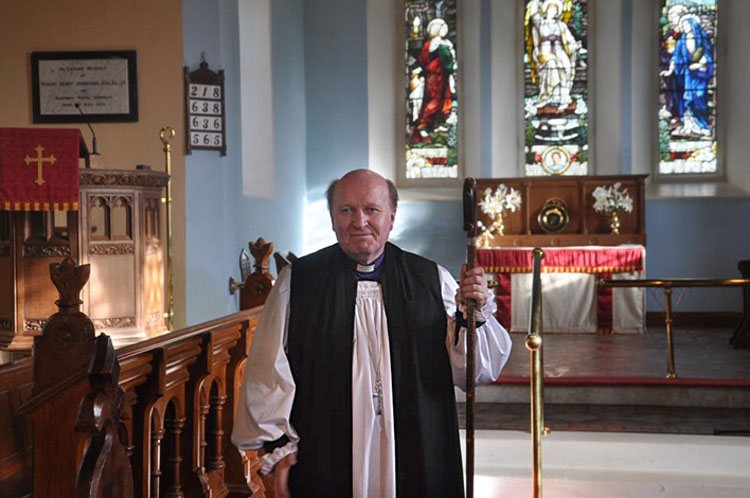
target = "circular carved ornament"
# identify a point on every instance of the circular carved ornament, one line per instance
(554, 216)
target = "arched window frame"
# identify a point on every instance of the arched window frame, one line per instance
(386, 97)
(720, 175)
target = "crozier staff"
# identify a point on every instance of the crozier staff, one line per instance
(349, 382)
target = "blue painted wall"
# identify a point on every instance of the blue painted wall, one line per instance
(209, 237)
(697, 238)
(434, 230)
(220, 220)
(336, 99)
(320, 112)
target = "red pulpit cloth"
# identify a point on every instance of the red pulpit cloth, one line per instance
(39, 169)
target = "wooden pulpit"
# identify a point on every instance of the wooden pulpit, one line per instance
(117, 230)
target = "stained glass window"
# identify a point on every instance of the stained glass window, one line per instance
(555, 87)
(687, 87)
(431, 71)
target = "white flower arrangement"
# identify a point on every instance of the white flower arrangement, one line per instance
(503, 199)
(612, 198)
(495, 205)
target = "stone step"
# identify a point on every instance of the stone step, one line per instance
(595, 465)
(613, 418)
(647, 392)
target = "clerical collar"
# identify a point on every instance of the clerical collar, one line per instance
(371, 271)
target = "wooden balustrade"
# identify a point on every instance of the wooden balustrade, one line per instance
(166, 424)
(181, 391)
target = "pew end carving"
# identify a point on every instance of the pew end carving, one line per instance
(60, 362)
(255, 287)
(105, 471)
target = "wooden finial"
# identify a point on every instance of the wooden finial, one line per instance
(261, 251)
(256, 287)
(69, 280)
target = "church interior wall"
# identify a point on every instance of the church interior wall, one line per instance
(320, 122)
(623, 107)
(335, 48)
(737, 120)
(222, 218)
(698, 237)
(210, 239)
(154, 31)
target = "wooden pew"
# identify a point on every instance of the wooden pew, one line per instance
(15, 431)
(172, 412)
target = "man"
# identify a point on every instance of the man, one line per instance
(352, 366)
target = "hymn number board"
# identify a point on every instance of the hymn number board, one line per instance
(205, 109)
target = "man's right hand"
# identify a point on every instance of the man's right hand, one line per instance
(277, 482)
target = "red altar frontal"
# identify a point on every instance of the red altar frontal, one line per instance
(571, 300)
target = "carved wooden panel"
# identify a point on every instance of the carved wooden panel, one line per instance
(586, 226)
(125, 254)
(40, 294)
(112, 274)
(152, 286)
(127, 261)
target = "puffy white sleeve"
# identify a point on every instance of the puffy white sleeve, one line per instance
(493, 341)
(268, 388)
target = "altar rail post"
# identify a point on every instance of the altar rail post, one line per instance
(668, 285)
(534, 345)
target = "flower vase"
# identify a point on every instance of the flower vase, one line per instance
(614, 222)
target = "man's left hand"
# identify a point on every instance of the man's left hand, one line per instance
(473, 285)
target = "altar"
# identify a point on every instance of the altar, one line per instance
(571, 300)
(581, 243)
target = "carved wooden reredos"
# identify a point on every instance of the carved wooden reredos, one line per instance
(118, 231)
(585, 226)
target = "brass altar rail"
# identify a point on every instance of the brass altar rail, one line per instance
(668, 285)
(534, 345)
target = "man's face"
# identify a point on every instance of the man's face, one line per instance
(362, 215)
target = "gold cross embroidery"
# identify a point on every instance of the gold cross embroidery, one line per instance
(39, 163)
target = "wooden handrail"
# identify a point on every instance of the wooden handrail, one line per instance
(169, 338)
